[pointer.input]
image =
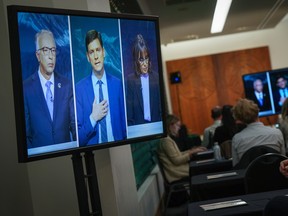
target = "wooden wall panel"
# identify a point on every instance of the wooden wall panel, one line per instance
(212, 80)
(230, 68)
(196, 93)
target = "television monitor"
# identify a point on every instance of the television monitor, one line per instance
(105, 82)
(268, 89)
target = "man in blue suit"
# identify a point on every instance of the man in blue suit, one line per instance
(99, 99)
(48, 99)
(281, 92)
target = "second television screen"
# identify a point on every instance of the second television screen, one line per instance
(268, 89)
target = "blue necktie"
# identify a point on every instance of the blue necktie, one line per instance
(260, 99)
(102, 122)
(49, 98)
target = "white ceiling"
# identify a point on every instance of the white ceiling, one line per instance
(191, 19)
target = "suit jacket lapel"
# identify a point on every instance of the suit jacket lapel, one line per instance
(89, 90)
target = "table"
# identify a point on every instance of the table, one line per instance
(209, 154)
(209, 165)
(255, 205)
(217, 185)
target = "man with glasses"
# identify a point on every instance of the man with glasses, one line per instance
(142, 87)
(99, 99)
(48, 99)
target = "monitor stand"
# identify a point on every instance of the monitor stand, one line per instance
(84, 191)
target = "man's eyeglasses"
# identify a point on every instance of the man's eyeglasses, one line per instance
(143, 60)
(46, 50)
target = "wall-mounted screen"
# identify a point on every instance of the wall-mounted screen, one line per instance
(84, 80)
(268, 89)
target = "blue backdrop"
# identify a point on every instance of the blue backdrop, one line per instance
(110, 36)
(29, 25)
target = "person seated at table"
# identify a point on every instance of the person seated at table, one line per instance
(223, 134)
(184, 141)
(216, 115)
(255, 134)
(175, 163)
(182, 138)
(228, 128)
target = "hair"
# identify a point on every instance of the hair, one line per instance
(40, 34)
(140, 46)
(171, 119)
(216, 112)
(246, 111)
(91, 36)
(279, 77)
(257, 79)
(284, 109)
(228, 120)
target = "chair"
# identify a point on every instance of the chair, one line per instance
(210, 140)
(263, 174)
(181, 186)
(253, 153)
(186, 141)
(276, 206)
(226, 149)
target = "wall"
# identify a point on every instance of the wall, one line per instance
(150, 193)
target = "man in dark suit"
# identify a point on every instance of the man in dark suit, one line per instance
(260, 96)
(99, 99)
(48, 99)
(281, 92)
(143, 93)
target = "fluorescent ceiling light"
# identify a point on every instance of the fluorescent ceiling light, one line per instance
(220, 15)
